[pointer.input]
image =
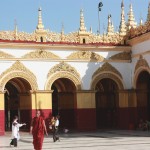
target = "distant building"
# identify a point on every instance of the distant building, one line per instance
(92, 81)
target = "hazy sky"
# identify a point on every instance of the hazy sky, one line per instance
(56, 12)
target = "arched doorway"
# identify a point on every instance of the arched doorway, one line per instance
(17, 101)
(106, 103)
(64, 102)
(143, 96)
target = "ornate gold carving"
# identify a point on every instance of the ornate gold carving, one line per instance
(121, 56)
(5, 55)
(73, 37)
(106, 67)
(86, 55)
(63, 74)
(41, 54)
(63, 70)
(106, 75)
(141, 63)
(18, 70)
(142, 29)
(63, 67)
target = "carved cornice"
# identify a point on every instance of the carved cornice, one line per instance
(141, 63)
(63, 67)
(121, 56)
(142, 29)
(73, 37)
(106, 67)
(86, 55)
(5, 55)
(41, 54)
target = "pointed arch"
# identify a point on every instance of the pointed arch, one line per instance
(141, 65)
(63, 70)
(107, 71)
(18, 70)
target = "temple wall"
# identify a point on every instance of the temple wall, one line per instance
(40, 68)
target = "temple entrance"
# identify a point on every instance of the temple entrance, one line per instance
(106, 104)
(64, 102)
(143, 96)
(17, 102)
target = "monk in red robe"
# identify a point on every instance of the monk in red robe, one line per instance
(37, 130)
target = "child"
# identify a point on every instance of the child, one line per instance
(15, 131)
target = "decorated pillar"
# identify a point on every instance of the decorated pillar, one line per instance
(25, 109)
(2, 112)
(132, 104)
(42, 100)
(127, 109)
(86, 111)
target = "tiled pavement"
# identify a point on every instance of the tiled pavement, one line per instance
(100, 140)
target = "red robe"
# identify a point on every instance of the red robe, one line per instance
(38, 132)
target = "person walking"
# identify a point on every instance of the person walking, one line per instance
(55, 134)
(15, 131)
(37, 129)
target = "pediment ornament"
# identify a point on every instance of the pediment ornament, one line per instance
(106, 67)
(63, 67)
(86, 55)
(17, 67)
(141, 63)
(5, 55)
(121, 56)
(41, 54)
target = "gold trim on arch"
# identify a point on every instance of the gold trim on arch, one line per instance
(63, 74)
(18, 70)
(112, 76)
(141, 65)
(63, 70)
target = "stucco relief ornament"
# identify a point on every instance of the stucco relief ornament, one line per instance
(106, 67)
(41, 54)
(86, 55)
(63, 67)
(142, 29)
(5, 55)
(141, 63)
(18, 70)
(121, 56)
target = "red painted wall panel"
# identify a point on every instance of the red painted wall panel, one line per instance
(86, 119)
(2, 122)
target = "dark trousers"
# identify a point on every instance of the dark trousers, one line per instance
(14, 142)
(55, 134)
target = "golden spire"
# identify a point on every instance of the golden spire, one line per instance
(141, 21)
(62, 32)
(122, 27)
(16, 30)
(40, 25)
(82, 26)
(110, 27)
(148, 15)
(131, 19)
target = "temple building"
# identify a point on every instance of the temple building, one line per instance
(93, 81)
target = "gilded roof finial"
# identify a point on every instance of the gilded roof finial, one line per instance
(122, 27)
(141, 20)
(40, 25)
(131, 19)
(82, 25)
(16, 29)
(110, 27)
(62, 32)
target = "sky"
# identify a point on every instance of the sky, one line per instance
(66, 12)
